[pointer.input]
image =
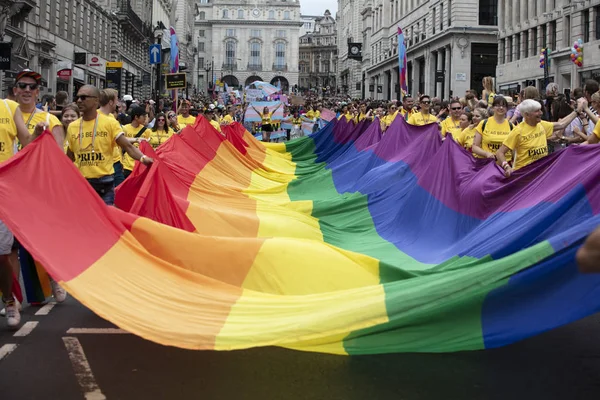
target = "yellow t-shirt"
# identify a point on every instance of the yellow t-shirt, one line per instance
(32, 119)
(313, 115)
(8, 129)
(449, 125)
(388, 119)
(117, 152)
(407, 114)
(99, 162)
(529, 142)
(158, 137)
(465, 138)
(131, 132)
(494, 135)
(227, 119)
(183, 122)
(597, 131)
(419, 119)
(215, 125)
(266, 118)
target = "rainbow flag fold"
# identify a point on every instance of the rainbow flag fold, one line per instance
(346, 241)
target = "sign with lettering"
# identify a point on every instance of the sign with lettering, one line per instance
(175, 81)
(5, 55)
(113, 76)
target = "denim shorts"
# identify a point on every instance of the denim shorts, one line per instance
(105, 187)
(6, 240)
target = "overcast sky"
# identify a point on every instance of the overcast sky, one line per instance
(318, 7)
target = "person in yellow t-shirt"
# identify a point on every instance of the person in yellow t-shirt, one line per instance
(491, 132)
(529, 140)
(362, 112)
(452, 123)
(465, 139)
(92, 139)
(391, 115)
(69, 113)
(212, 118)
(408, 107)
(12, 127)
(160, 131)
(109, 100)
(423, 117)
(229, 118)
(312, 114)
(184, 118)
(26, 91)
(136, 131)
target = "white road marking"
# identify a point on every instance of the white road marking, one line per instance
(26, 329)
(82, 369)
(97, 331)
(46, 309)
(6, 350)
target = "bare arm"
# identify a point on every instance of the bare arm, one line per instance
(566, 121)
(477, 147)
(133, 152)
(59, 135)
(22, 133)
(588, 255)
(501, 157)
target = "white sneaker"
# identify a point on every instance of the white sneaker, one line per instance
(58, 292)
(19, 307)
(13, 317)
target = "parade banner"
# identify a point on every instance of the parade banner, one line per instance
(253, 95)
(252, 116)
(344, 242)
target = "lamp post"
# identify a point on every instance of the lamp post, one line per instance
(207, 68)
(158, 33)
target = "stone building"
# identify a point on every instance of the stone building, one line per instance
(318, 57)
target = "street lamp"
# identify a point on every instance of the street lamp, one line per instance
(207, 68)
(158, 34)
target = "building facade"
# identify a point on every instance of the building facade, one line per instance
(308, 24)
(526, 27)
(451, 46)
(240, 42)
(318, 57)
(70, 41)
(350, 27)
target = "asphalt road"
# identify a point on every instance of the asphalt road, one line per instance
(563, 364)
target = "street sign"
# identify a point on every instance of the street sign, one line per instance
(439, 76)
(154, 52)
(113, 75)
(5, 53)
(175, 81)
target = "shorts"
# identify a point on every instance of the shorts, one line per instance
(6, 240)
(267, 128)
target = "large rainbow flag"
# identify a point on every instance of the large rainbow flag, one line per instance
(346, 241)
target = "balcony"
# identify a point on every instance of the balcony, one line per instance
(229, 66)
(130, 20)
(280, 67)
(254, 67)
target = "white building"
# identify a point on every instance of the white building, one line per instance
(350, 27)
(451, 46)
(318, 57)
(528, 26)
(240, 42)
(308, 24)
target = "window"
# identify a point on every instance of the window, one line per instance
(279, 54)
(201, 62)
(544, 36)
(286, 15)
(526, 44)
(202, 15)
(488, 12)
(553, 35)
(201, 32)
(255, 54)
(230, 52)
(433, 21)
(450, 13)
(280, 33)
(597, 13)
(567, 31)
(230, 33)
(240, 14)
(441, 17)
(517, 46)
(271, 14)
(225, 13)
(534, 42)
(586, 27)
(255, 33)
(200, 46)
(508, 49)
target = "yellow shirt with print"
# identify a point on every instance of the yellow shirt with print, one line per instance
(494, 135)
(183, 121)
(465, 139)
(597, 131)
(99, 162)
(131, 132)
(419, 119)
(8, 129)
(530, 143)
(449, 125)
(158, 137)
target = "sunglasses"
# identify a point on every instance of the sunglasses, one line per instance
(456, 108)
(425, 102)
(84, 97)
(172, 116)
(161, 119)
(23, 85)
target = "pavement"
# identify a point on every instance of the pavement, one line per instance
(48, 363)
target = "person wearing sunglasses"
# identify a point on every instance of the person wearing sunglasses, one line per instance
(26, 91)
(135, 131)
(184, 118)
(172, 121)
(452, 123)
(160, 131)
(92, 139)
(491, 132)
(109, 102)
(423, 117)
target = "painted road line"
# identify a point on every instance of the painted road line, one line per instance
(6, 350)
(82, 369)
(97, 331)
(46, 309)
(26, 329)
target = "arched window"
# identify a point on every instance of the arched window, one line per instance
(202, 15)
(271, 14)
(255, 54)
(279, 55)
(230, 52)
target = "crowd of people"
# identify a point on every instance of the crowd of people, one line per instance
(101, 133)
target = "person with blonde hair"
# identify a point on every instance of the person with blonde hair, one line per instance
(466, 137)
(488, 90)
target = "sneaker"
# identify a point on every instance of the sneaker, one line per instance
(19, 307)
(13, 317)
(58, 292)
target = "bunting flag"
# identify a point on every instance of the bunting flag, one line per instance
(252, 116)
(402, 62)
(344, 242)
(174, 65)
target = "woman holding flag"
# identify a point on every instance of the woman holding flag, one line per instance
(266, 123)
